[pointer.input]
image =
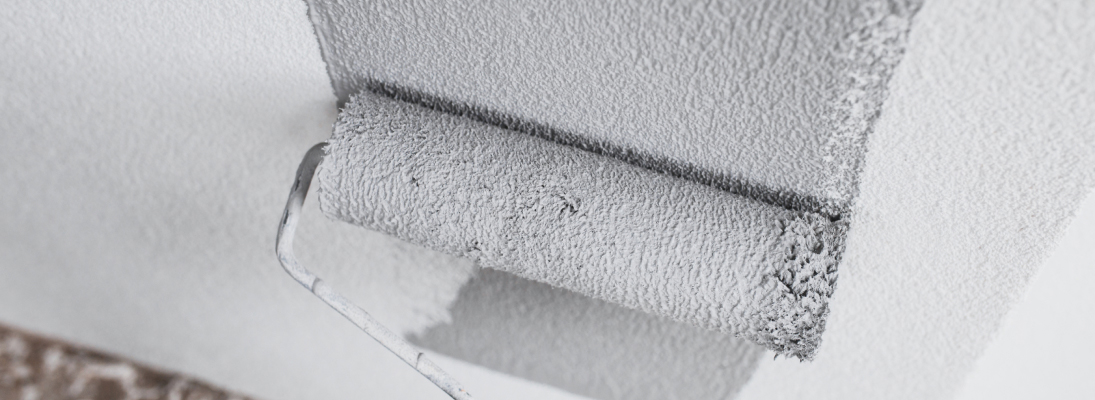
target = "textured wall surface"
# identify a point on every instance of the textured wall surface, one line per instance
(145, 154)
(983, 152)
(1043, 348)
(584, 222)
(588, 346)
(773, 98)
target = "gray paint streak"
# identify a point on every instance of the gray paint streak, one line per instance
(972, 172)
(584, 222)
(772, 100)
(588, 346)
(411, 54)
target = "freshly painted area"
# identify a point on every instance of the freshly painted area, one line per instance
(584, 222)
(595, 76)
(587, 346)
(770, 99)
(147, 151)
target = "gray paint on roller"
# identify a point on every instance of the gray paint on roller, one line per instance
(584, 222)
(769, 99)
(646, 160)
(587, 346)
(985, 149)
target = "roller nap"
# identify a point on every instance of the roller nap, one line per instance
(582, 221)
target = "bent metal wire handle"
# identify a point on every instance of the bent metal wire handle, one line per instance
(321, 289)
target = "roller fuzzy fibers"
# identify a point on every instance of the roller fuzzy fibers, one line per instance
(582, 221)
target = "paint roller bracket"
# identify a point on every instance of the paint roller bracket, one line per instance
(390, 340)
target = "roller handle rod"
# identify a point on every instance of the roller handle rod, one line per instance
(387, 338)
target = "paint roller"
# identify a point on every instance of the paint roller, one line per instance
(570, 218)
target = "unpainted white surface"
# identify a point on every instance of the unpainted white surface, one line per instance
(1044, 346)
(983, 152)
(146, 152)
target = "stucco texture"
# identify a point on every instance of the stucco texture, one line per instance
(584, 222)
(983, 152)
(771, 99)
(146, 151)
(1042, 348)
(588, 346)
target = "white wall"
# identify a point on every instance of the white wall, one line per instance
(771, 98)
(983, 151)
(146, 151)
(1044, 347)
(776, 95)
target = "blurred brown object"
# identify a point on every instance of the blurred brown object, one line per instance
(33, 367)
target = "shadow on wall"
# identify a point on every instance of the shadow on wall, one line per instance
(587, 346)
